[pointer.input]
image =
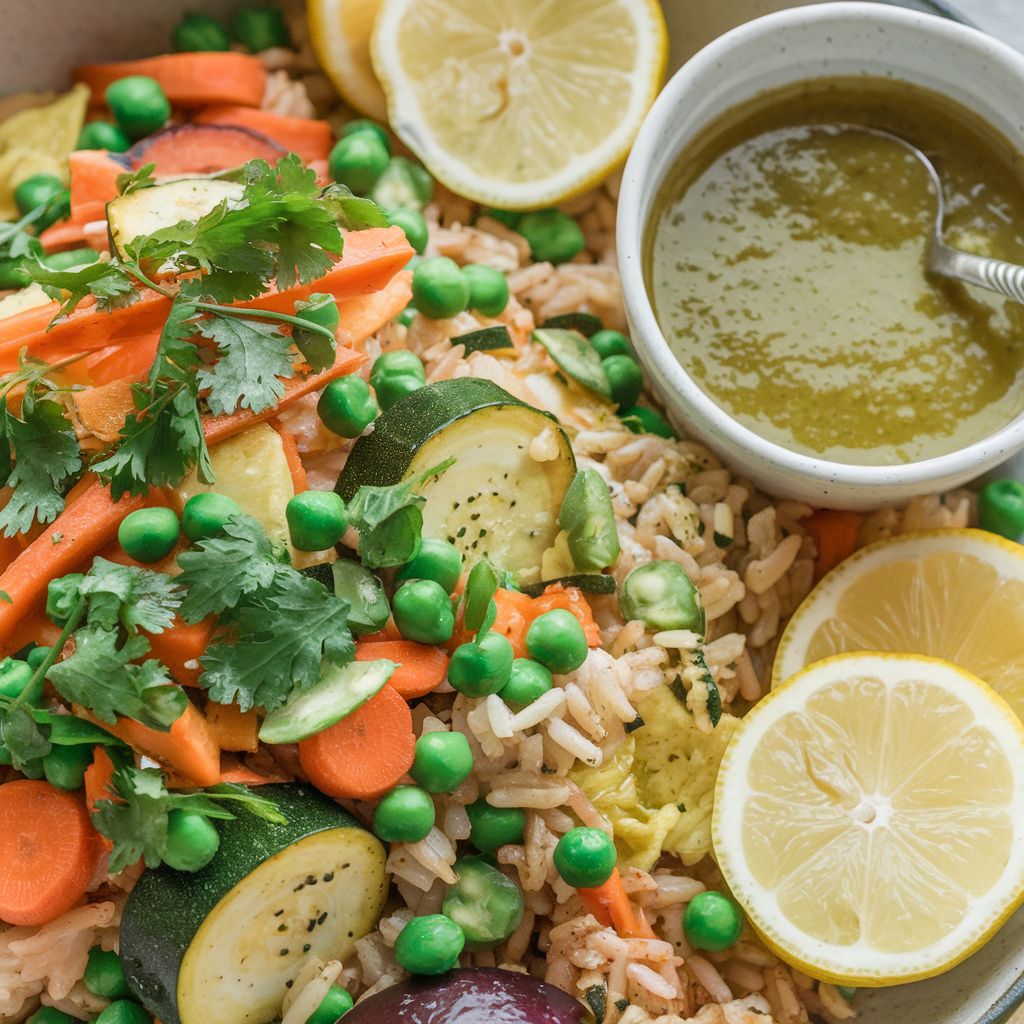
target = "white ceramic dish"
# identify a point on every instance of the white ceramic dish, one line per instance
(819, 41)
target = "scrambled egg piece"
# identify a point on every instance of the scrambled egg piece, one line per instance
(658, 790)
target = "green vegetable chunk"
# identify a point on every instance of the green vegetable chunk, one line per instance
(556, 639)
(260, 28)
(712, 921)
(149, 534)
(440, 290)
(625, 378)
(102, 135)
(364, 124)
(414, 226)
(407, 316)
(335, 1004)
(587, 516)
(138, 104)
(15, 675)
(575, 357)
(316, 520)
(404, 185)
(206, 514)
(423, 612)
(442, 762)
(486, 904)
(405, 815)
(494, 827)
(13, 274)
(357, 161)
(610, 343)
(481, 667)
(320, 309)
(554, 236)
(527, 681)
(1001, 508)
(429, 945)
(50, 1015)
(347, 406)
(192, 841)
(200, 32)
(368, 608)
(35, 657)
(585, 857)
(846, 991)
(70, 258)
(488, 289)
(642, 420)
(64, 767)
(38, 189)
(123, 1011)
(436, 560)
(398, 362)
(661, 595)
(62, 595)
(104, 975)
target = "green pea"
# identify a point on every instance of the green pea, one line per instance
(846, 991)
(104, 975)
(588, 518)
(406, 317)
(64, 766)
(585, 857)
(405, 815)
(493, 827)
(357, 161)
(347, 406)
(662, 596)
(625, 378)
(554, 236)
(50, 1015)
(423, 612)
(70, 258)
(404, 185)
(414, 226)
(260, 28)
(102, 135)
(62, 595)
(37, 656)
(192, 842)
(39, 189)
(200, 32)
(335, 1004)
(364, 124)
(124, 1011)
(642, 420)
(399, 362)
(429, 945)
(393, 389)
(439, 288)
(316, 520)
(611, 343)
(488, 289)
(556, 639)
(481, 667)
(5, 757)
(442, 762)
(149, 534)
(510, 218)
(15, 675)
(138, 104)
(712, 921)
(1001, 508)
(13, 274)
(206, 514)
(320, 309)
(436, 560)
(527, 681)
(486, 904)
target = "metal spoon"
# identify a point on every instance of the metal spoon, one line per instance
(944, 260)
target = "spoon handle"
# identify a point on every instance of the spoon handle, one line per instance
(995, 275)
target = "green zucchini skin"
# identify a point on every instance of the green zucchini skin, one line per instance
(166, 908)
(588, 582)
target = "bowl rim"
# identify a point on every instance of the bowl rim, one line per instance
(910, 477)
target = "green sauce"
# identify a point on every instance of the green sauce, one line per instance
(785, 258)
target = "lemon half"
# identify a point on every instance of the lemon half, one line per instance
(519, 103)
(869, 816)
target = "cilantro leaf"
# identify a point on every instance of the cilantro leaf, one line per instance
(132, 181)
(47, 459)
(100, 675)
(252, 359)
(353, 212)
(112, 286)
(131, 596)
(22, 736)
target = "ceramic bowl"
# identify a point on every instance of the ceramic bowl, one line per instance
(821, 41)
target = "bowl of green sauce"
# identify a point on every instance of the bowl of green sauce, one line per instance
(772, 252)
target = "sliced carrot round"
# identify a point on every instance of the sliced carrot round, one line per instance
(366, 753)
(421, 668)
(48, 849)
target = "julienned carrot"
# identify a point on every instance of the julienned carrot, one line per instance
(188, 79)
(364, 754)
(835, 536)
(294, 460)
(181, 646)
(48, 849)
(83, 529)
(98, 777)
(311, 139)
(421, 668)
(189, 748)
(118, 362)
(610, 905)
(233, 728)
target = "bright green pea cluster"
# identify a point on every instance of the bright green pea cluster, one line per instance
(317, 520)
(436, 560)
(585, 857)
(712, 921)
(396, 374)
(442, 289)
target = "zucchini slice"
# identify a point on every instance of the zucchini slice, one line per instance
(220, 946)
(500, 499)
(586, 323)
(148, 209)
(487, 339)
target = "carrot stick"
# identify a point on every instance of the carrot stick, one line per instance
(34, 629)
(188, 79)
(835, 537)
(609, 903)
(98, 777)
(294, 460)
(93, 177)
(421, 668)
(65, 234)
(189, 749)
(233, 728)
(181, 646)
(364, 754)
(311, 139)
(48, 849)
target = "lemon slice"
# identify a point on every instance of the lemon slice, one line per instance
(869, 817)
(516, 103)
(340, 32)
(953, 594)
